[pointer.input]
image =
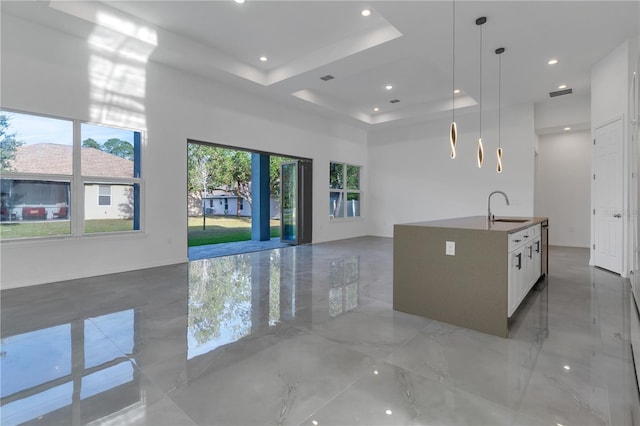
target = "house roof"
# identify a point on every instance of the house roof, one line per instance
(56, 159)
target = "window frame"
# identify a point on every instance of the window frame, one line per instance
(344, 191)
(77, 183)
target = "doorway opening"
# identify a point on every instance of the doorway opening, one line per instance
(238, 201)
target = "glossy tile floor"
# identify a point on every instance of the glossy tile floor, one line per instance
(307, 335)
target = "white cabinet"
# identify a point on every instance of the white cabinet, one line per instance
(515, 278)
(525, 254)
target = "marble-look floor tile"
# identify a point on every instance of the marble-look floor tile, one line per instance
(390, 395)
(374, 329)
(280, 384)
(308, 334)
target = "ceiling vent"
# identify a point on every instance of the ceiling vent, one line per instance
(327, 77)
(561, 92)
(394, 101)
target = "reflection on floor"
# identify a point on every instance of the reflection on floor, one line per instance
(307, 335)
(227, 249)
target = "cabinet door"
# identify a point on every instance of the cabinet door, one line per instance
(537, 259)
(516, 270)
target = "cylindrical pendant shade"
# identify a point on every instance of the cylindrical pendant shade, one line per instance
(499, 167)
(453, 137)
(480, 153)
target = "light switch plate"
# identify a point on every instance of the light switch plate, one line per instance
(450, 249)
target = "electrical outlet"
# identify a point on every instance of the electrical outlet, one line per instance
(450, 249)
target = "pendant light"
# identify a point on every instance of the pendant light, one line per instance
(499, 52)
(453, 130)
(480, 21)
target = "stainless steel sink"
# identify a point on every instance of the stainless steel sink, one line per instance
(511, 220)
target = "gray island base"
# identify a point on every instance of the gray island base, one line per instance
(468, 271)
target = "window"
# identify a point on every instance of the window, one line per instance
(49, 165)
(344, 190)
(104, 195)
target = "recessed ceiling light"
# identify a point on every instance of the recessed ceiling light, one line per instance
(456, 91)
(388, 412)
(566, 367)
(376, 109)
(239, 1)
(388, 87)
(562, 86)
(552, 61)
(365, 12)
(567, 128)
(263, 58)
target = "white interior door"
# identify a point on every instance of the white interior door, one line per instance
(608, 197)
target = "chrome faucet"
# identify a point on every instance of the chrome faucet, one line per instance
(490, 217)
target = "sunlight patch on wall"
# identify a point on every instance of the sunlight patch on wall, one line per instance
(117, 71)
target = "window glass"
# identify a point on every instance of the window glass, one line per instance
(115, 210)
(336, 208)
(336, 175)
(34, 208)
(108, 151)
(344, 183)
(40, 171)
(104, 195)
(35, 144)
(111, 154)
(353, 204)
(353, 177)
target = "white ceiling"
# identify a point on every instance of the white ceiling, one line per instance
(404, 43)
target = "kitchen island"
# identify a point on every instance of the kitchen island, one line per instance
(468, 271)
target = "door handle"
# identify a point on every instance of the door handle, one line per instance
(519, 265)
(537, 246)
(618, 215)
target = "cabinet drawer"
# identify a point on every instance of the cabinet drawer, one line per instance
(518, 238)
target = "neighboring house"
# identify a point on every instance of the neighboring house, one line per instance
(224, 203)
(50, 199)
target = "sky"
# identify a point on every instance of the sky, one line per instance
(33, 129)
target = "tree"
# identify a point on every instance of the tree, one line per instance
(91, 143)
(8, 144)
(119, 148)
(240, 175)
(198, 168)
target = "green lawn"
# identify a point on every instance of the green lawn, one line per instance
(218, 229)
(223, 229)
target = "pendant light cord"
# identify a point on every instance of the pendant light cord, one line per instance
(480, 81)
(453, 89)
(499, 99)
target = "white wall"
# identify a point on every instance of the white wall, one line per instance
(563, 192)
(569, 110)
(45, 71)
(413, 178)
